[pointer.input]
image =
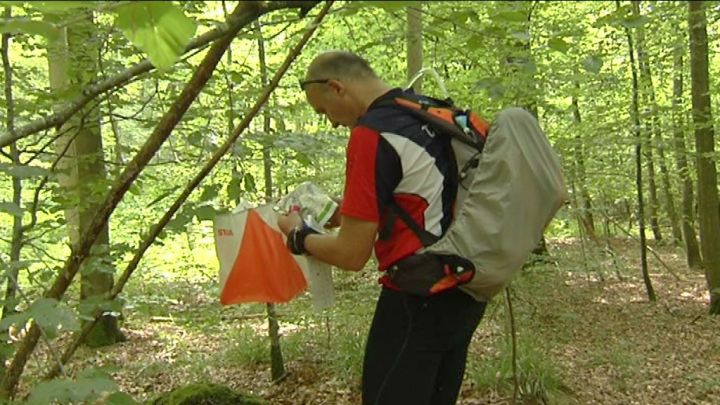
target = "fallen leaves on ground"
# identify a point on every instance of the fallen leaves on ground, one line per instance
(606, 342)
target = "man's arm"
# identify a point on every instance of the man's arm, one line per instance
(349, 249)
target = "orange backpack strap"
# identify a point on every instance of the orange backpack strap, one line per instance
(441, 115)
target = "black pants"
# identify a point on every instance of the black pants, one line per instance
(417, 347)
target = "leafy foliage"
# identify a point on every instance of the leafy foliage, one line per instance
(159, 28)
(89, 386)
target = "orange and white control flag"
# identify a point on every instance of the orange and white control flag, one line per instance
(255, 265)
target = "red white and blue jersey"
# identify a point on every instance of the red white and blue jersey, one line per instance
(393, 155)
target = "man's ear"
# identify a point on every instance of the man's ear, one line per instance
(337, 86)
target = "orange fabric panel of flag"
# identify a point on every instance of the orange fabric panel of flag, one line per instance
(264, 270)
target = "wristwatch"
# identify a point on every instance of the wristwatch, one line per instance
(296, 238)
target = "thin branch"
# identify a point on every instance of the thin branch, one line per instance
(61, 116)
(513, 336)
(648, 248)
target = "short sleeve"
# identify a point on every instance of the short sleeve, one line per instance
(360, 198)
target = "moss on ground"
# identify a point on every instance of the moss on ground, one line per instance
(205, 394)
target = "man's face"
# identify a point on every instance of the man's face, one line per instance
(331, 100)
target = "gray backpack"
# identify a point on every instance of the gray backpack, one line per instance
(510, 185)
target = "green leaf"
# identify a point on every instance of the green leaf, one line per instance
(210, 192)
(390, 6)
(50, 315)
(205, 213)
(558, 44)
(592, 64)
(234, 188)
(522, 36)
(32, 27)
(120, 398)
(47, 313)
(511, 16)
(66, 391)
(303, 159)
(55, 6)
(20, 264)
(161, 197)
(475, 42)
(19, 319)
(526, 65)
(179, 223)
(249, 183)
(134, 188)
(461, 17)
(196, 139)
(11, 208)
(494, 87)
(159, 28)
(24, 172)
(634, 21)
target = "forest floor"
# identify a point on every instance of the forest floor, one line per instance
(586, 333)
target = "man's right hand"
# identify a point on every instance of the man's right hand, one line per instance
(334, 221)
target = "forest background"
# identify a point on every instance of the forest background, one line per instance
(129, 125)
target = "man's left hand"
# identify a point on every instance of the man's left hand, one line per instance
(288, 222)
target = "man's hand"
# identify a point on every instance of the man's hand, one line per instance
(288, 222)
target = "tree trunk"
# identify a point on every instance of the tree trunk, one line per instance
(654, 136)
(692, 251)
(583, 201)
(277, 364)
(13, 270)
(705, 147)
(72, 64)
(666, 188)
(635, 114)
(652, 205)
(85, 176)
(414, 44)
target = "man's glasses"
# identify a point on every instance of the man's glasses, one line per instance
(304, 83)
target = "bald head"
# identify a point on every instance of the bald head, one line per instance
(341, 86)
(340, 65)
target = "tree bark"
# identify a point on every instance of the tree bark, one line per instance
(414, 44)
(654, 138)
(16, 242)
(645, 138)
(705, 147)
(692, 251)
(277, 364)
(583, 201)
(81, 171)
(635, 113)
(156, 229)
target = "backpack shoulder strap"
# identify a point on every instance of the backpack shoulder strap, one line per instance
(441, 114)
(426, 238)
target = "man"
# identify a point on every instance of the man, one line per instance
(417, 345)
